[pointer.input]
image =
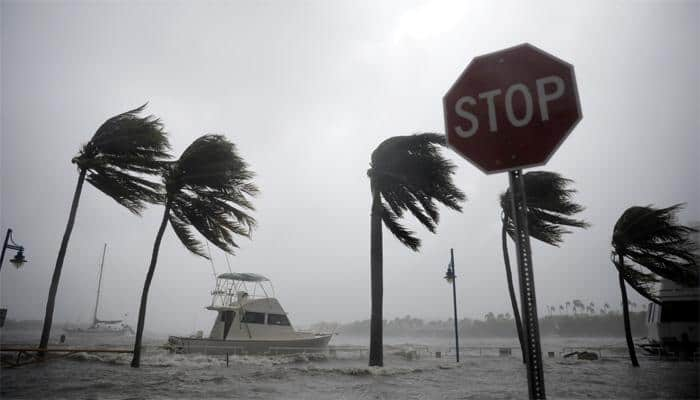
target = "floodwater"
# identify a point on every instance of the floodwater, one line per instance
(482, 373)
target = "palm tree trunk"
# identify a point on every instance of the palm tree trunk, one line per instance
(51, 301)
(136, 361)
(511, 292)
(376, 356)
(626, 317)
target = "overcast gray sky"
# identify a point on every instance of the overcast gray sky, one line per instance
(307, 89)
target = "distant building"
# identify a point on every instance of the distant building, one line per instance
(695, 235)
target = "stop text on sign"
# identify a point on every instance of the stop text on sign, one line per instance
(548, 89)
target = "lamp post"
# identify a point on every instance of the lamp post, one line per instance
(19, 258)
(450, 278)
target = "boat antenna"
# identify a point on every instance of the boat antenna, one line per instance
(99, 285)
(211, 261)
(227, 263)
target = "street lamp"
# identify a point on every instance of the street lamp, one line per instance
(17, 261)
(19, 258)
(450, 278)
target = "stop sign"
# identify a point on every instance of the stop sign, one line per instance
(511, 109)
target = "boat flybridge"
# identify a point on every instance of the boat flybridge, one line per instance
(249, 320)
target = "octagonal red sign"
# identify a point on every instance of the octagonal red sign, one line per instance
(511, 109)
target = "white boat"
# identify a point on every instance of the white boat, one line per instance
(102, 327)
(673, 326)
(249, 320)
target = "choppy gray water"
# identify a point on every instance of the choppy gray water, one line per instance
(346, 376)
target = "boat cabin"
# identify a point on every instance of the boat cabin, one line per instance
(247, 309)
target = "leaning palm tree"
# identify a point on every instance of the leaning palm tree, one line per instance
(550, 206)
(124, 149)
(648, 243)
(407, 173)
(208, 189)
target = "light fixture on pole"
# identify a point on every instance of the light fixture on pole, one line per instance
(450, 278)
(19, 258)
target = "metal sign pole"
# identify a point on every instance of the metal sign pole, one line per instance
(535, 378)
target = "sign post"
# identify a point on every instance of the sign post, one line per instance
(507, 111)
(526, 278)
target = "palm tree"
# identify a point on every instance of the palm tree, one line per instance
(407, 173)
(648, 243)
(549, 210)
(207, 189)
(568, 303)
(578, 304)
(123, 149)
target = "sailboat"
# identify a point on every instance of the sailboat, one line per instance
(100, 326)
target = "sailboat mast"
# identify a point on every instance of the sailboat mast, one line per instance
(99, 285)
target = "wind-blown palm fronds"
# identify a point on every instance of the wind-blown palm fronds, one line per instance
(550, 208)
(410, 174)
(122, 151)
(648, 243)
(407, 173)
(124, 147)
(208, 189)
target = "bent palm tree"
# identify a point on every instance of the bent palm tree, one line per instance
(407, 173)
(207, 189)
(648, 243)
(549, 210)
(124, 148)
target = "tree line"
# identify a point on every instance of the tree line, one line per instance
(497, 325)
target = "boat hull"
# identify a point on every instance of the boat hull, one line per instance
(310, 344)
